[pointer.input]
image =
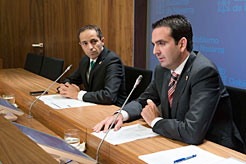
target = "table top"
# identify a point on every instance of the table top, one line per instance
(21, 82)
(16, 147)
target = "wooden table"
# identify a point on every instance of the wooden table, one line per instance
(16, 147)
(21, 82)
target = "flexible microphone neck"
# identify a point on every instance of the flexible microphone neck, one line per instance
(30, 115)
(119, 112)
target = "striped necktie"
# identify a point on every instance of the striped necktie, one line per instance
(171, 87)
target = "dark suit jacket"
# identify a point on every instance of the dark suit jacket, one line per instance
(107, 79)
(201, 105)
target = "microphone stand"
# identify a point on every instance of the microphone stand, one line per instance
(119, 112)
(30, 115)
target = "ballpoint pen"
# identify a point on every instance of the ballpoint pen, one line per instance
(185, 158)
(68, 161)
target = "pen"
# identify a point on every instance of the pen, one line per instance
(68, 161)
(185, 158)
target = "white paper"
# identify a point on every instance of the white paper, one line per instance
(169, 156)
(58, 102)
(230, 161)
(126, 134)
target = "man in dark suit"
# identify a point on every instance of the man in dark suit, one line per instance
(194, 103)
(100, 71)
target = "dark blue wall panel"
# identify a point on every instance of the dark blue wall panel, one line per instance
(219, 30)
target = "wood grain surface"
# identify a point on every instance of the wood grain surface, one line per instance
(16, 147)
(55, 24)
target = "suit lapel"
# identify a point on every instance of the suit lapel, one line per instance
(181, 84)
(84, 73)
(166, 111)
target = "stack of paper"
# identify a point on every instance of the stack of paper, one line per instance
(126, 134)
(230, 161)
(170, 156)
(59, 102)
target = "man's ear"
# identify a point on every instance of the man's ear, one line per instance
(102, 40)
(183, 44)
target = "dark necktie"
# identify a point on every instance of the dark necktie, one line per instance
(92, 64)
(171, 87)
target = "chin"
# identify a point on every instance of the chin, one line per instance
(163, 65)
(93, 56)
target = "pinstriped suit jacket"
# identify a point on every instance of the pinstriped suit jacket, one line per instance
(201, 105)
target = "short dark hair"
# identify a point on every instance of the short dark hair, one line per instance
(180, 27)
(91, 27)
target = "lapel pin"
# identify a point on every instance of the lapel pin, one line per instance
(100, 62)
(186, 78)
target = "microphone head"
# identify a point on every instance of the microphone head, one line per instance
(139, 80)
(69, 67)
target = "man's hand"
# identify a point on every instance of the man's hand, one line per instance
(150, 112)
(104, 124)
(69, 90)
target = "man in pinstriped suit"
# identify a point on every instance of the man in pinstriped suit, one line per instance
(200, 106)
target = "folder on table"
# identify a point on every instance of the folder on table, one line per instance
(5, 105)
(55, 146)
(9, 111)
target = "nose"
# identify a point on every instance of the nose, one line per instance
(90, 46)
(156, 50)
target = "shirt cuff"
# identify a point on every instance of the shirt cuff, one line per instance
(124, 114)
(155, 121)
(81, 94)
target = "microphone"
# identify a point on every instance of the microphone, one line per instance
(30, 115)
(138, 80)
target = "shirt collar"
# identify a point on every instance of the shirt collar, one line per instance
(180, 68)
(94, 60)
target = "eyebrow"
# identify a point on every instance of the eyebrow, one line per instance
(158, 41)
(93, 39)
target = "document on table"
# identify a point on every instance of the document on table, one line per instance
(58, 102)
(169, 156)
(126, 134)
(230, 161)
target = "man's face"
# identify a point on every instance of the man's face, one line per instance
(165, 49)
(91, 43)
